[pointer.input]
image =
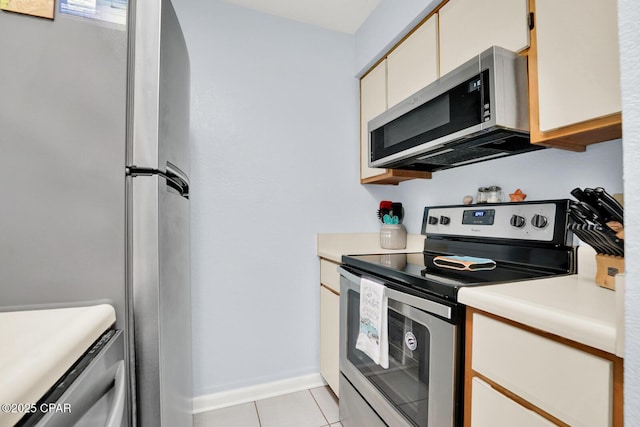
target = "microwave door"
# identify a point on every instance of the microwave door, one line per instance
(429, 126)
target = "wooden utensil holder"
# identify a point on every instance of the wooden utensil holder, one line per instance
(604, 277)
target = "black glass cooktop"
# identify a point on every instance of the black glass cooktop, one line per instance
(418, 271)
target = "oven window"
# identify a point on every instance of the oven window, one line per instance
(406, 383)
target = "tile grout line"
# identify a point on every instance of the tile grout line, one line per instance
(319, 407)
(255, 406)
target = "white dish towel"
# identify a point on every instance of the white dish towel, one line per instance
(373, 337)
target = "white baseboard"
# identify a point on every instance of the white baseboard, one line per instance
(239, 396)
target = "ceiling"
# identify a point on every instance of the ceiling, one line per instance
(344, 16)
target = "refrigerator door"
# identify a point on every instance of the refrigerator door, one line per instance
(158, 221)
(63, 98)
(159, 218)
(161, 76)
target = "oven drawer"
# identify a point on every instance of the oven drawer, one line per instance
(354, 410)
(567, 383)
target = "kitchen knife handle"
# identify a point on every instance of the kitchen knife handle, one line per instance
(610, 204)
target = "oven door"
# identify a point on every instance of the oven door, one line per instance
(419, 387)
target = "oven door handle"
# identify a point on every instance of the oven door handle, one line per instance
(412, 300)
(120, 393)
(355, 280)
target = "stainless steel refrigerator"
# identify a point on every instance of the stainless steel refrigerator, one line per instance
(94, 164)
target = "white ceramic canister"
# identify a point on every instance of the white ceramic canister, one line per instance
(393, 236)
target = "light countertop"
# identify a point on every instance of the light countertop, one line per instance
(332, 246)
(573, 307)
(39, 346)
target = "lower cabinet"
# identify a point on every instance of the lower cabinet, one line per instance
(490, 408)
(518, 376)
(330, 323)
(329, 337)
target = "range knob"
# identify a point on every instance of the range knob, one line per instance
(445, 220)
(517, 221)
(433, 220)
(539, 221)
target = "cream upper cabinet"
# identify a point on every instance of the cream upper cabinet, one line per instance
(414, 63)
(578, 61)
(373, 101)
(468, 27)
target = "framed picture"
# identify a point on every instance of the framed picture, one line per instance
(40, 8)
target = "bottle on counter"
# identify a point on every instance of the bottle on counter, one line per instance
(494, 194)
(481, 196)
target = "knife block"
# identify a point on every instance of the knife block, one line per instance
(607, 266)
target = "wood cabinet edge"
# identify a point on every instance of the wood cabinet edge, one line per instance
(329, 288)
(395, 176)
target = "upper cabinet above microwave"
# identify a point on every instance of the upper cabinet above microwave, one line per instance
(468, 27)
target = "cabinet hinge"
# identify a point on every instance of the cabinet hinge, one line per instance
(531, 21)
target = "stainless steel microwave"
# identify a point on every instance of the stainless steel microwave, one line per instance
(476, 112)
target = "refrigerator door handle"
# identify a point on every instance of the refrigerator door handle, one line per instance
(175, 178)
(176, 175)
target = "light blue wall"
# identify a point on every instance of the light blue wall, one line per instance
(275, 160)
(545, 174)
(274, 120)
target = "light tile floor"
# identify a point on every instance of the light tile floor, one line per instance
(317, 407)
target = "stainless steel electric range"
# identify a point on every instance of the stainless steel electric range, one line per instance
(465, 245)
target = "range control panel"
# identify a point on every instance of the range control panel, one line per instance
(522, 221)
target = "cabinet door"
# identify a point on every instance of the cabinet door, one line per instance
(467, 27)
(578, 61)
(490, 408)
(373, 101)
(329, 337)
(567, 383)
(414, 63)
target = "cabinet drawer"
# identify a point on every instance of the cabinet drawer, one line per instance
(490, 408)
(570, 384)
(329, 275)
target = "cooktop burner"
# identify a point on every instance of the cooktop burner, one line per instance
(524, 240)
(418, 271)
